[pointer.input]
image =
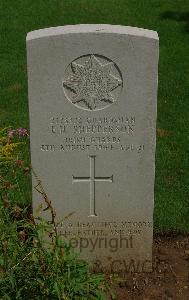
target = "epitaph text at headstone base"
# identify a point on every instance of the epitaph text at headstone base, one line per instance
(92, 103)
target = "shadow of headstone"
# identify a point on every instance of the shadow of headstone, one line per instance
(178, 17)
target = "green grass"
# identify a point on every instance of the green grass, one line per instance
(171, 20)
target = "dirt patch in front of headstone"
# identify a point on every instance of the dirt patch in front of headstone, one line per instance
(170, 276)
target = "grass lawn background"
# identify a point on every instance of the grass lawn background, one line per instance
(170, 19)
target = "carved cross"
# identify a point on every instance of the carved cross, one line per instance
(92, 179)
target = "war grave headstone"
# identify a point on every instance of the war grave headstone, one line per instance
(92, 104)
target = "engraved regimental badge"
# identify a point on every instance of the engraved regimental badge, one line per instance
(92, 82)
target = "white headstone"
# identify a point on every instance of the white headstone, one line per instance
(92, 103)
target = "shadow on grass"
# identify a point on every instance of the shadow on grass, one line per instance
(177, 16)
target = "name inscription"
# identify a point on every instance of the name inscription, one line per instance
(92, 134)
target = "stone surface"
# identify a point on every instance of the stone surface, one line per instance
(92, 103)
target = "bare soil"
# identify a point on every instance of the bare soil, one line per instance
(170, 277)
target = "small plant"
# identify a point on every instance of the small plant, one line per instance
(33, 269)
(15, 183)
(7, 147)
(35, 262)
